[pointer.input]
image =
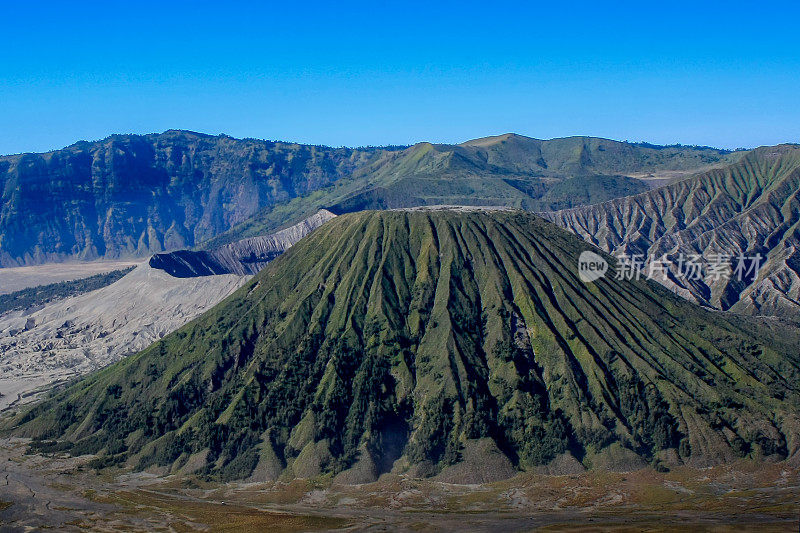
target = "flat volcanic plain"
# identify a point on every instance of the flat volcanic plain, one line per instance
(55, 491)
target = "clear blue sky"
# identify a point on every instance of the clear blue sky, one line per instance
(340, 73)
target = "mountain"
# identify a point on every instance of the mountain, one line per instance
(746, 209)
(134, 195)
(506, 170)
(452, 342)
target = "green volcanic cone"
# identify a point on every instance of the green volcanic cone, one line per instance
(451, 341)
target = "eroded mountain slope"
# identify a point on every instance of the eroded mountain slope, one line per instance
(243, 257)
(747, 209)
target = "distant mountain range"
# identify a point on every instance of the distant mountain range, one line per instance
(507, 170)
(458, 343)
(749, 208)
(134, 195)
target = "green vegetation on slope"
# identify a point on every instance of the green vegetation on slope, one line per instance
(404, 337)
(42, 294)
(589, 190)
(508, 170)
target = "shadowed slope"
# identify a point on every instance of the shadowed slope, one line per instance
(418, 340)
(133, 195)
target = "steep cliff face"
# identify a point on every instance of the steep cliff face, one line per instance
(747, 209)
(130, 195)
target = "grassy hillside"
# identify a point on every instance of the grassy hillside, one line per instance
(436, 342)
(507, 170)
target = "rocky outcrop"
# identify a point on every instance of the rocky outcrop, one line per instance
(243, 257)
(748, 209)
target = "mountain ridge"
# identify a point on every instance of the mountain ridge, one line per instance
(134, 195)
(513, 171)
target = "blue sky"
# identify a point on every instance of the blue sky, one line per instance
(720, 74)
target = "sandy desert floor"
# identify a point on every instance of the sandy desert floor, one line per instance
(61, 492)
(18, 278)
(42, 347)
